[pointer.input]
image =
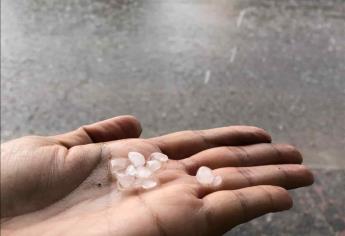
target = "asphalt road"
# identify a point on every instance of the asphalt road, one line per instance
(179, 64)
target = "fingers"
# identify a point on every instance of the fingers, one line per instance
(186, 143)
(225, 209)
(287, 176)
(120, 127)
(252, 155)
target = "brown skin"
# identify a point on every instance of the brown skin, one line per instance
(60, 185)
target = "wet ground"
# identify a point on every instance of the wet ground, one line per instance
(180, 64)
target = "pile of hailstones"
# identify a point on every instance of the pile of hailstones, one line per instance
(135, 171)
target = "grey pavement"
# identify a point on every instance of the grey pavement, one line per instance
(179, 64)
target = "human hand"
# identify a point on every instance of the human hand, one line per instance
(250, 166)
(37, 171)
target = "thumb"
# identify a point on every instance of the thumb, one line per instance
(120, 127)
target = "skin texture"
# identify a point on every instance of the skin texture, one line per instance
(60, 185)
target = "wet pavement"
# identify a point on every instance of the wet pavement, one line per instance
(180, 64)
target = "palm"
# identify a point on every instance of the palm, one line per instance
(179, 205)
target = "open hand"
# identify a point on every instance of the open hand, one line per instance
(60, 184)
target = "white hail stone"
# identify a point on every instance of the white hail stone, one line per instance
(118, 164)
(135, 171)
(153, 165)
(204, 175)
(143, 172)
(159, 157)
(125, 181)
(148, 183)
(136, 158)
(131, 170)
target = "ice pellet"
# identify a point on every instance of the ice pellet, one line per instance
(153, 165)
(131, 170)
(136, 158)
(118, 164)
(143, 172)
(135, 171)
(125, 181)
(148, 183)
(205, 176)
(159, 157)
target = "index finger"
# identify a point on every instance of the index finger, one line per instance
(186, 143)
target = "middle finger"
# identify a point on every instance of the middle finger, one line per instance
(252, 155)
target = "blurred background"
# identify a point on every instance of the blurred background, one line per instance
(188, 64)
